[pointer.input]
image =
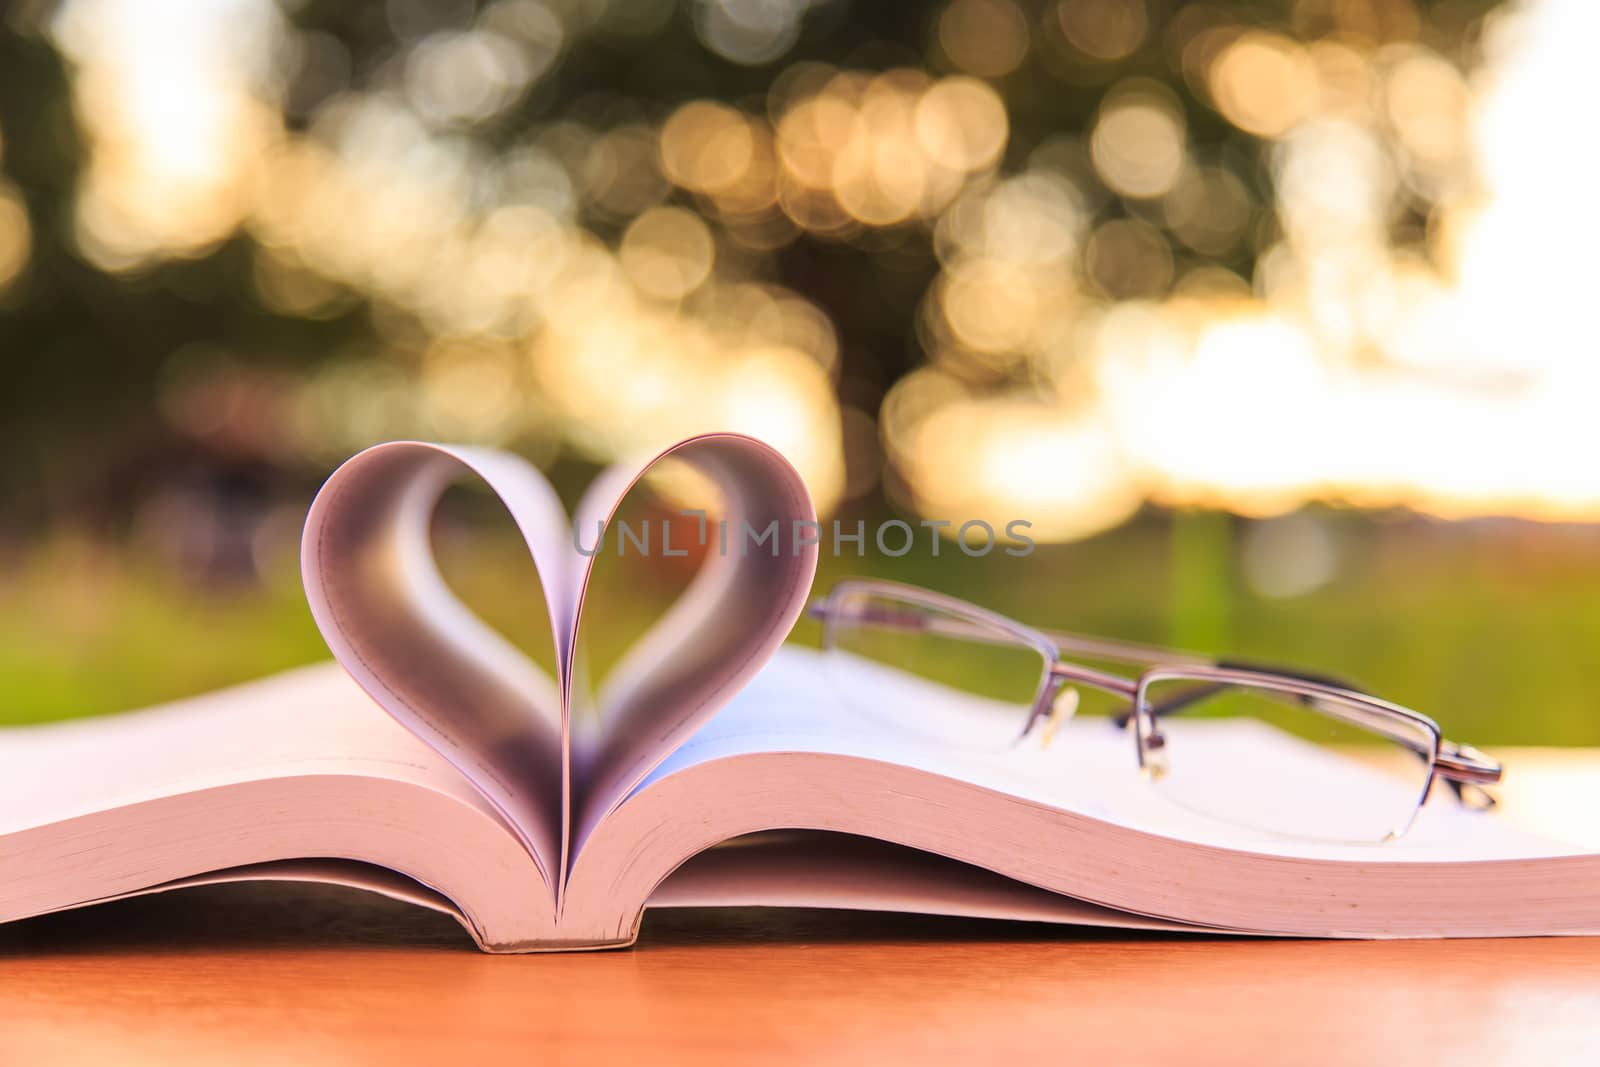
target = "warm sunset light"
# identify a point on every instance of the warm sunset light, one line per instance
(927, 531)
(1082, 363)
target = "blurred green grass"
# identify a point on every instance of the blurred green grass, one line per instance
(1488, 627)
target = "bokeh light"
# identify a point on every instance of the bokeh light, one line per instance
(667, 253)
(1103, 30)
(1328, 256)
(1264, 83)
(171, 97)
(15, 236)
(1138, 141)
(986, 38)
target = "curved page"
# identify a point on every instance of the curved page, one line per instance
(760, 562)
(387, 615)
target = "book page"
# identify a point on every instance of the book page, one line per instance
(386, 613)
(310, 721)
(820, 870)
(1089, 768)
(1075, 817)
(294, 770)
(738, 609)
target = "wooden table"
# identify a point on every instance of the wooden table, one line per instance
(306, 975)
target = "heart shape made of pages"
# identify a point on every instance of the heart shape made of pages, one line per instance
(386, 613)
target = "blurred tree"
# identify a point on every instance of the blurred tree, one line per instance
(87, 351)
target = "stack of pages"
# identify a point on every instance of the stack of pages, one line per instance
(435, 764)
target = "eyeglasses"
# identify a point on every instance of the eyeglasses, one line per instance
(985, 680)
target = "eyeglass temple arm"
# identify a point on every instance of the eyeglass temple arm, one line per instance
(1466, 771)
(1085, 645)
(1081, 644)
(1175, 704)
(914, 621)
(1463, 763)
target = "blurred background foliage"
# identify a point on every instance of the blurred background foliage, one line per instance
(1271, 316)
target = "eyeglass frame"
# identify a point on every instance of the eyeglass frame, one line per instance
(1461, 767)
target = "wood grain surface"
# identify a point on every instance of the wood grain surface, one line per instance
(311, 975)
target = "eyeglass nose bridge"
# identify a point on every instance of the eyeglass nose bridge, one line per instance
(1062, 674)
(1114, 684)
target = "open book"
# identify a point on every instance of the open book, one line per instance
(483, 795)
